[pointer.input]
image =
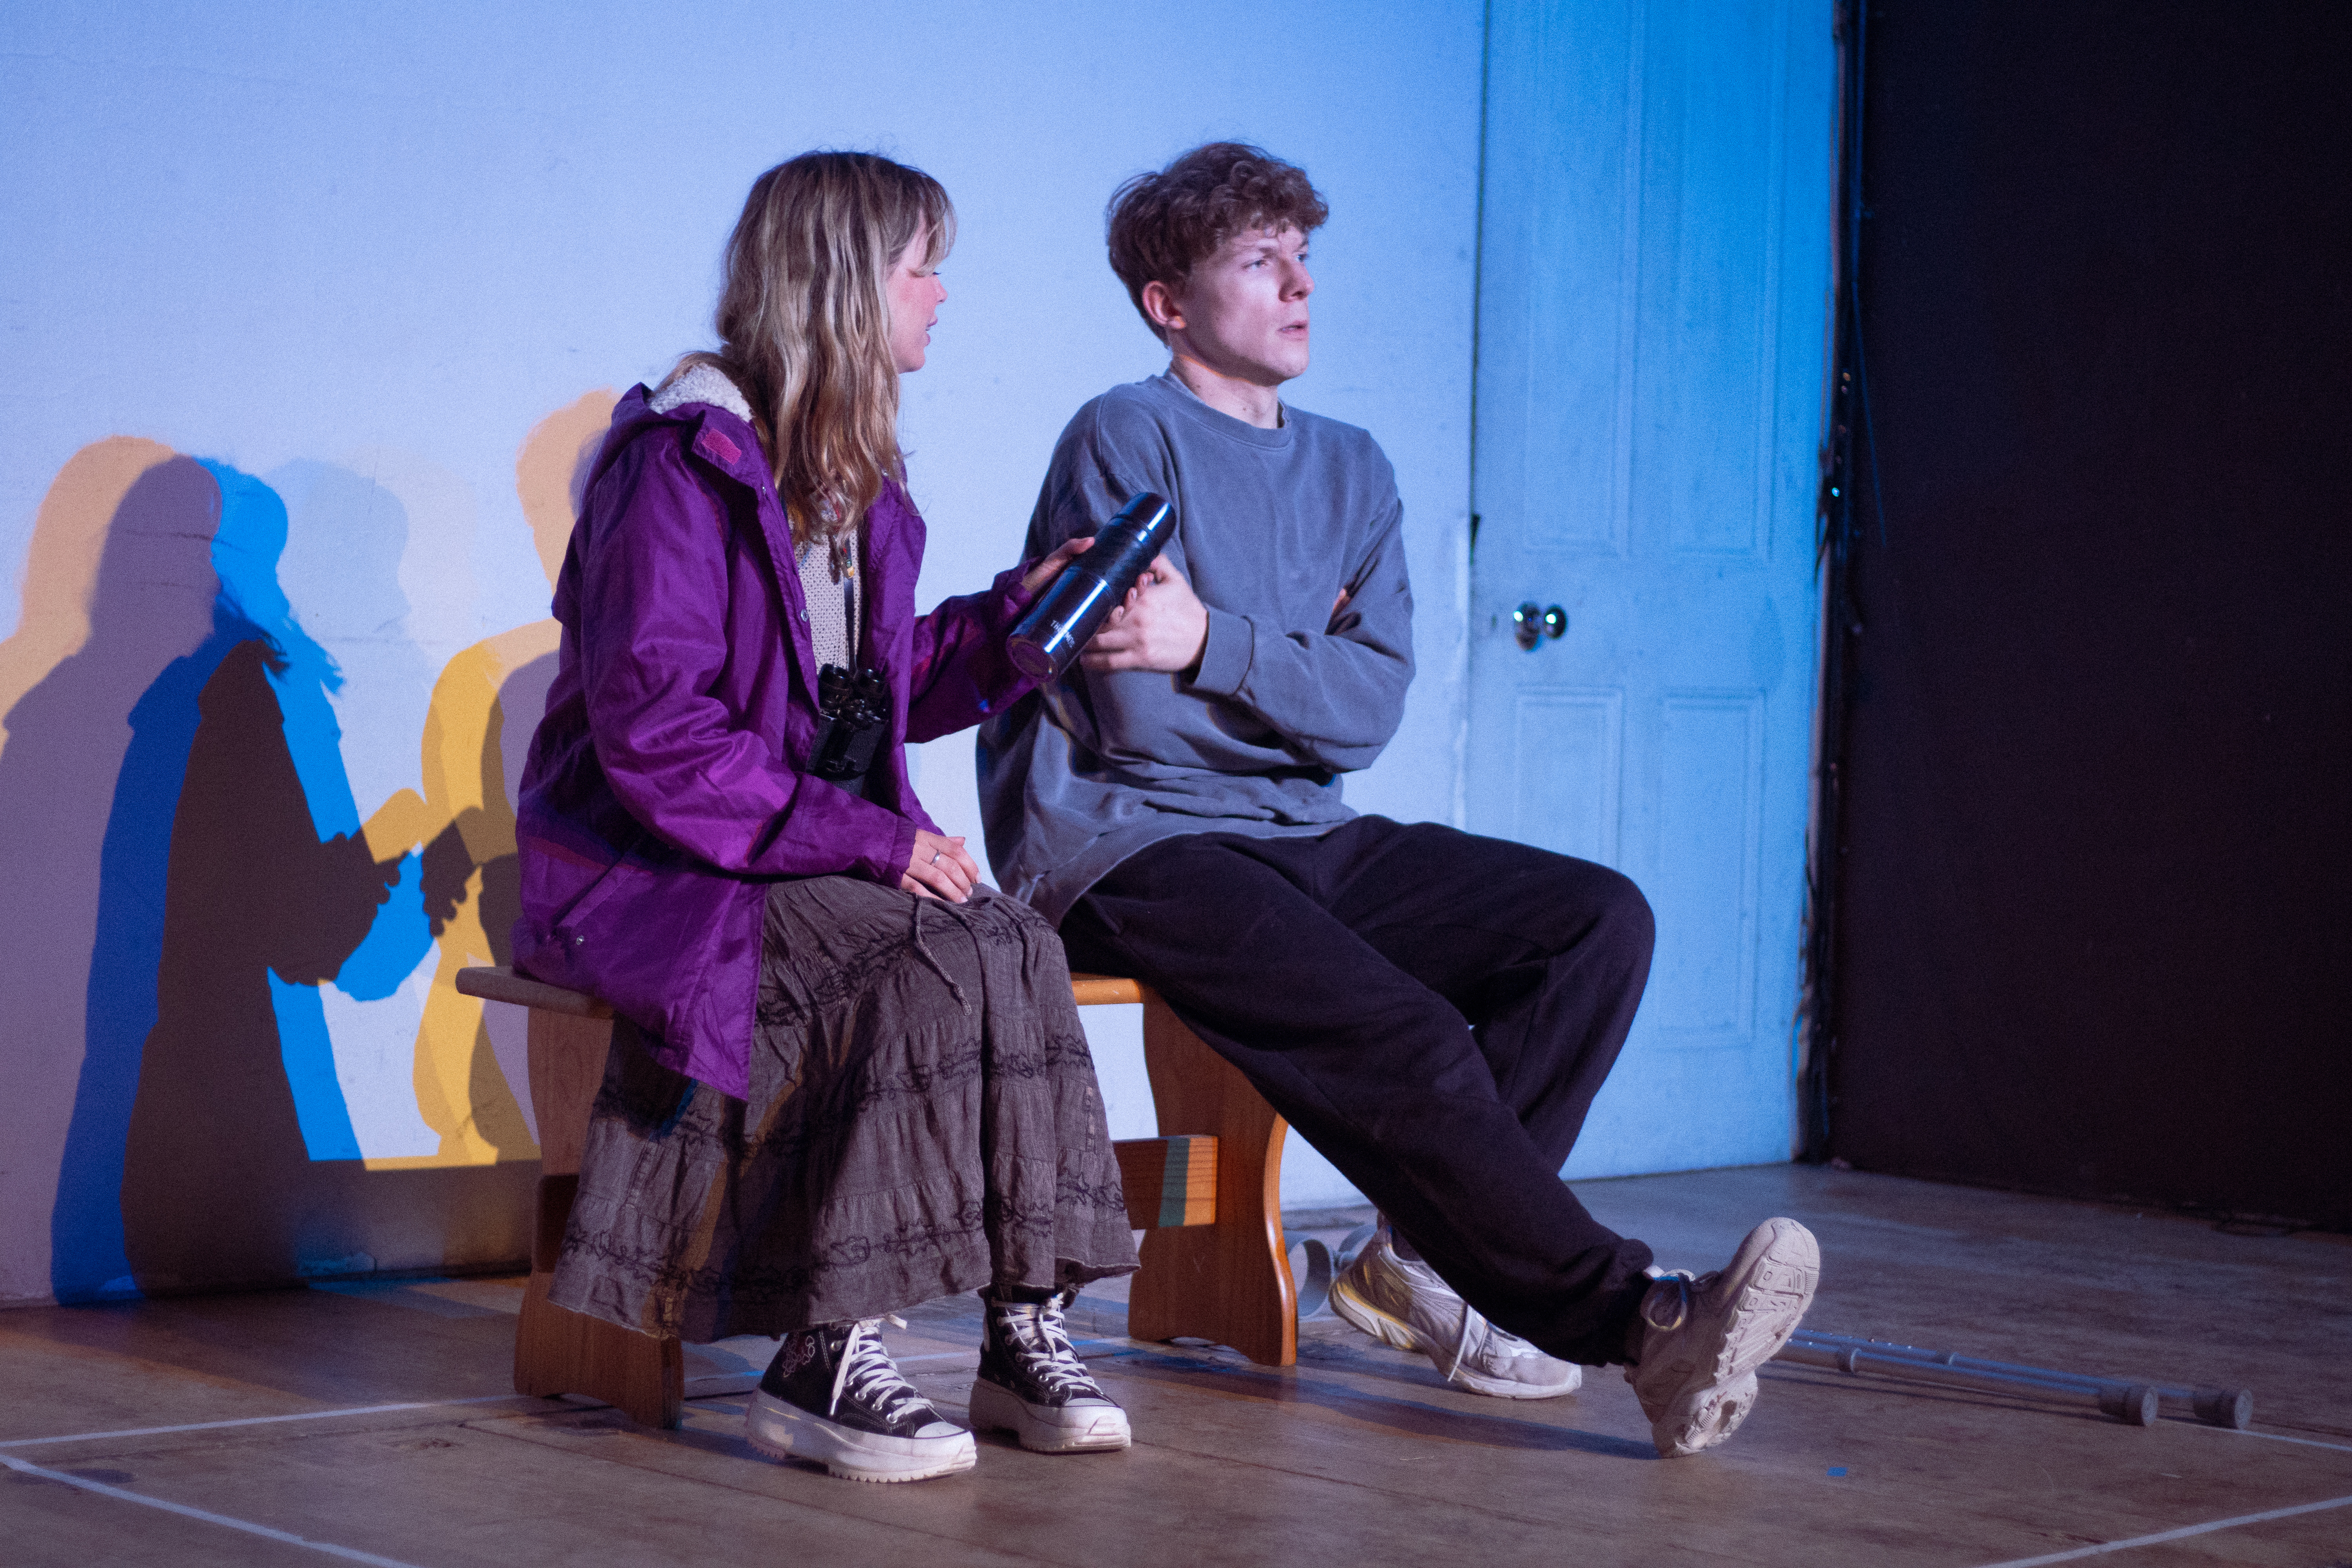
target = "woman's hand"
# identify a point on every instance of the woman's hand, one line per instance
(1034, 581)
(938, 868)
(1162, 626)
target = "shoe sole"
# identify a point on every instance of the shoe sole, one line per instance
(1772, 1282)
(1713, 1414)
(1099, 1429)
(1394, 1332)
(1398, 1334)
(784, 1431)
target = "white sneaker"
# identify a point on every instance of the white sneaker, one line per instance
(1702, 1338)
(1402, 1302)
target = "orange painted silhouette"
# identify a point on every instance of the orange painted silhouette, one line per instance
(485, 705)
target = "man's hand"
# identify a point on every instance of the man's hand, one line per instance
(1034, 581)
(938, 868)
(1162, 626)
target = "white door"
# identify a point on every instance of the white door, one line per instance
(1653, 318)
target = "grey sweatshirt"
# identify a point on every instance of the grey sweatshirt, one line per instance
(1270, 526)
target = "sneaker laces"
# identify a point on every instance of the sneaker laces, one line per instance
(1036, 1334)
(1684, 1285)
(1476, 1332)
(868, 1373)
(1471, 1323)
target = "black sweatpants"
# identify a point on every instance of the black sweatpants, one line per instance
(1433, 1012)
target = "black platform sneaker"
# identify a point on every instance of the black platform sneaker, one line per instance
(833, 1396)
(1032, 1385)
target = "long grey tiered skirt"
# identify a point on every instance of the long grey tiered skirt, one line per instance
(923, 1119)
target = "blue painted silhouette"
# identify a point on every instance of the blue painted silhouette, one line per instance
(252, 604)
(155, 592)
(233, 884)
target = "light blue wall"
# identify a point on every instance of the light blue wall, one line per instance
(356, 254)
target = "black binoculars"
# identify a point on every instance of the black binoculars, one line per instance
(853, 716)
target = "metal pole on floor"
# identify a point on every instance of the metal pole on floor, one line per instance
(2135, 1403)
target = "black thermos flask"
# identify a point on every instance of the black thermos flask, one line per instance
(1090, 587)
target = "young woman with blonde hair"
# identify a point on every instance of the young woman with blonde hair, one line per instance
(846, 1076)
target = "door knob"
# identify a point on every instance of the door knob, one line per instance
(1529, 623)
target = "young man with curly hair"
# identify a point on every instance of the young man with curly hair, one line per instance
(1432, 1010)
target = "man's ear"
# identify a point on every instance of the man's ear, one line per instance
(1160, 304)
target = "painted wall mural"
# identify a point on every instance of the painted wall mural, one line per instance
(270, 1001)
(312, 317)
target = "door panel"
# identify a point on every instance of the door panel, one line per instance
(1704, 890)
(1652, 282)
(1577, 735)
(1546, 68)
(1703, 422)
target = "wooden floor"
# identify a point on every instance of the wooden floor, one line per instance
(369, 1422)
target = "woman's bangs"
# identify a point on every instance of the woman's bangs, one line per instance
(939, 224)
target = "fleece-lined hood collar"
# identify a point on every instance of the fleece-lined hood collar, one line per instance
(715, 413)
(701, 384)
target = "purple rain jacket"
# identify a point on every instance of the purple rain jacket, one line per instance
(663, 789)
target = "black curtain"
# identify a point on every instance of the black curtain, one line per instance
(2093, 898)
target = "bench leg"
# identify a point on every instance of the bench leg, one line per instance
(561, 1351)
(558, 1350)
(1228, 1282)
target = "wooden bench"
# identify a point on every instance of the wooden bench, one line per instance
(1208, 1192)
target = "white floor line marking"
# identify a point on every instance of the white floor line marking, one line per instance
(387, 1409)
(254, 1421)
(264, 1532)
(2182, 1534)
(2283, 1438)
